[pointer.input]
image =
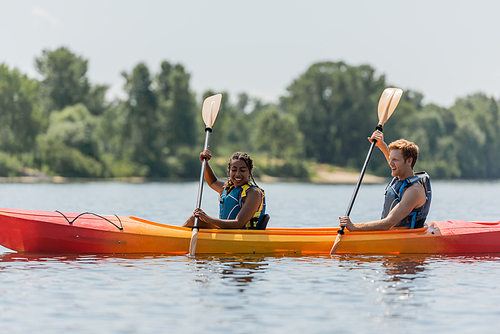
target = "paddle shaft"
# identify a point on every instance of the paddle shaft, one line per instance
(360, 179)
(202, 175)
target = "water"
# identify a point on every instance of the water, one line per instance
(248, 294)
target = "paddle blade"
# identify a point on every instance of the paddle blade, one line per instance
(192, 244)
(210, 109)
(336, 244)
(388, 103)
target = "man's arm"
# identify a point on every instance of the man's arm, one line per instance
(379, 137)
(414, 197)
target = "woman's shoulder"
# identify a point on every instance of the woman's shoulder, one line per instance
(255, 190)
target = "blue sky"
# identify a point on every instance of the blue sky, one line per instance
(444, 49)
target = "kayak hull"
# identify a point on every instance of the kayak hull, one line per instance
(55, 232)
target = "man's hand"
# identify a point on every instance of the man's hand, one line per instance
(346, 222)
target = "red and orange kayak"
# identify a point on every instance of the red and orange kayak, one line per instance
(56, 232)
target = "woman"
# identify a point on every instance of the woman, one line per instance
(242, 203)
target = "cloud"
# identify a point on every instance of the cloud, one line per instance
(43, 17)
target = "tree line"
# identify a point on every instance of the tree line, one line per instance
(61, 124)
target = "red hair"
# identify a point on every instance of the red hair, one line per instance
(408, 148)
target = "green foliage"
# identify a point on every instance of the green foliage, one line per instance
(57, 158)
(70, 146)
(62, 125)
(19, 117)
(278, 135)
(115, 167)
(185, 164)
(334, 105)
(282, 168)
(10, 165)
(160, 119)
(435, 138)
(75, 127)
(95, 100)
(178, 106)
(232, 128)
(478, 136)
(113, 132)
(462, 141)
(64, 78)
(146, 129)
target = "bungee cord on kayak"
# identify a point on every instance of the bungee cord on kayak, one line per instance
(94, 214)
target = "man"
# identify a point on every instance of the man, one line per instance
(408, 195)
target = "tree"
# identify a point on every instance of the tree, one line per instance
(64, 80)
(70, 145)
(178, 106)
(145, 125)
(478, 136)
(19, 116)
(278, 135)
(115, 146)
(335, 105)
(434, 135)
(95, 100)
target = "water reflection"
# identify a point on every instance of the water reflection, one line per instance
(44, 257)
(404, 268)
(404, 285)
(57, 262)
(239, 271)
(398, 285)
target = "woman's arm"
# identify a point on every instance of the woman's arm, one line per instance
(250, 205)
(210, 176)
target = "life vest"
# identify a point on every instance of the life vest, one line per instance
(394, 192)
(230, 204)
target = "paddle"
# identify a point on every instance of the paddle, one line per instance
(386, 106)
(209, 112)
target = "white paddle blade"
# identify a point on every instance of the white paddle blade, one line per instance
(194, 240)
(210, 109)
(336, 244)
(388, 103)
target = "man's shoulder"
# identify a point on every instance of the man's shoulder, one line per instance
(415, 192)
(417, 186)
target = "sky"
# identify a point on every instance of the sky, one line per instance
(444, 49)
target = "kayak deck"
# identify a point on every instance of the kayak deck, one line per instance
(56, 232)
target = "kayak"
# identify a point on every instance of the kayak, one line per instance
(89, 233)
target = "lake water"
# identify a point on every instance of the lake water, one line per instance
(43, 293)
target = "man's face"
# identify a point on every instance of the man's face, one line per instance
(399, 167)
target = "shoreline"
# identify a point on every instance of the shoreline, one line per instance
(322, 177)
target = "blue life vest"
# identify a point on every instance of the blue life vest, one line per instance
(230, 204)
(394, 192)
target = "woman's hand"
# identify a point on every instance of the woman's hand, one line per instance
(206, 154)
(201, 215)
(203, 219)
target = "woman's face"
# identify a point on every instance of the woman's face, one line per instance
(238, 172)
